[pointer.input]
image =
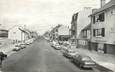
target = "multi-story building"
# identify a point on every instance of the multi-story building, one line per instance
(84, 37)
(83, 19)
(74, 28)
(54, 33)
(63, 33)
(18, 34)
(79, 21)
(103, 28)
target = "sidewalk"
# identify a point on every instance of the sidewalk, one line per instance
(105, 60)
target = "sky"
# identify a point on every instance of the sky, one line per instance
(41, 15)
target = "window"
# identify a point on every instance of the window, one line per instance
(113, 12)
(85, 33)
(103, 32)
(99, 32)
(99, 18)
(94, 32)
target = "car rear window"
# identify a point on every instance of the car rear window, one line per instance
(86, 58)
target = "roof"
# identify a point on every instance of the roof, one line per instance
(88, 27)
(106, 6)
(3, 30)
(23, 30)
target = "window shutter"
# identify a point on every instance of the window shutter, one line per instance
(103, 32)
(102, 16)
(93, 19)
(94, 32)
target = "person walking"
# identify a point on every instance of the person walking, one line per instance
(2, 56)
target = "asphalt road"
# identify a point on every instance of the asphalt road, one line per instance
(39, 57)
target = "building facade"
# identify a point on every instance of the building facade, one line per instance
(84, 37)
(63, 33)
(103, 29)
(17, 34)
(79, 21)
(73, 29)
(54, 33)
(83, 19)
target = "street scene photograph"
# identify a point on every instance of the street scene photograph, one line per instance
(57, 35)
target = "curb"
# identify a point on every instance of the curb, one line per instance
(100, 68)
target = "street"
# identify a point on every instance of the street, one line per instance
(57, 36)
(39, 57)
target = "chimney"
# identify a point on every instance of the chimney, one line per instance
(103, 2)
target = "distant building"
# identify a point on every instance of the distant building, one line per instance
(83, 20)
(63, 33)
(79, 21)
(84, 37)
(17, 34)
(103, 28)
(54, 33)
(47, 34)
(73, 29)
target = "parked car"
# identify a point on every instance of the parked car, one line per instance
(17, 45)
(64, 48)
(69, 53)
(28, 43)
(16, 49)
(22, 46)
(60, 42)
(56, 46)
(83, 61)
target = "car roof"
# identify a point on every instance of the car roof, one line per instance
(81, 55)
(84, 56)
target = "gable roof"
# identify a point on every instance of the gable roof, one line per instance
(106, 6)
(88, 27)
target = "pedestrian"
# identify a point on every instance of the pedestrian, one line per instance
(2, 56)
(1, 59)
